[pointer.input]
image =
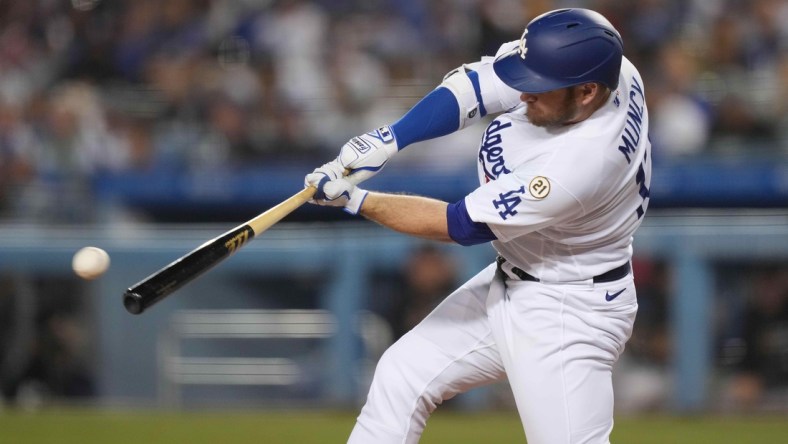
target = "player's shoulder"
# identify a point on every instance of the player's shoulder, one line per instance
(630, 76)
(627, 67)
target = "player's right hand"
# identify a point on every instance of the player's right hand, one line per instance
(334, 190)
(368, 153)
(329, 171)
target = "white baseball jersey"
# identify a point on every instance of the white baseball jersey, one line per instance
(565, 202)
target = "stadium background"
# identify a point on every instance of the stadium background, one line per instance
(147, 127)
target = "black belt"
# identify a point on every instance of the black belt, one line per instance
(610, 276)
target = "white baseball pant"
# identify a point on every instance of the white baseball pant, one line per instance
(556, 344)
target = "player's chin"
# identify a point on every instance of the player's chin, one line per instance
(539, 120)
(537, 117)
(544, 120)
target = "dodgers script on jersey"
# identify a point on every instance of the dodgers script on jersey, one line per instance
(565, 204)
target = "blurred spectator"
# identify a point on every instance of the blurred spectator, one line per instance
(283, 136)
(73, 142)
(46, 347)
(75, 137)
(426, 278)
(680, 118)
(17, 143)
(502, 21)
(736, 107)
(298, 58)
(761, 379)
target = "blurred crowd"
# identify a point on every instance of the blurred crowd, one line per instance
(90, 86)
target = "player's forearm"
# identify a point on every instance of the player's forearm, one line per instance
(414, 215)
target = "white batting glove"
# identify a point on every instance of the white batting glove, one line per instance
(368, 153)
(329, 171)
(341, 193)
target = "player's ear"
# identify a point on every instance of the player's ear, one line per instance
(589, 92)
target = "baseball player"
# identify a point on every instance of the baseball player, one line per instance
(564, 172)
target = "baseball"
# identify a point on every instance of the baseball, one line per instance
(90, 262)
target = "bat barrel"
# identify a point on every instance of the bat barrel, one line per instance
(133, 302)
(175, 275)
(159, 285)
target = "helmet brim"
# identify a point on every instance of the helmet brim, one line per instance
(513, 71)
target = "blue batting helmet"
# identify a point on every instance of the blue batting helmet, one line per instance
(563, 48)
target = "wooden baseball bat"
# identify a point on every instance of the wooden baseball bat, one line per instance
(164, 282)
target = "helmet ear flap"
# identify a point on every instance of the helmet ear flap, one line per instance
(562, 48)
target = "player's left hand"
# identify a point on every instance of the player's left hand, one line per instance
(334, 190)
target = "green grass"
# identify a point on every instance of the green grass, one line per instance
(297, 427)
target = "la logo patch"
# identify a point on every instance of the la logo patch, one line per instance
(523, 49)
(539, 187)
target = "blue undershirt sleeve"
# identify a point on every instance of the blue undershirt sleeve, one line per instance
(433, 116)
(463, 230)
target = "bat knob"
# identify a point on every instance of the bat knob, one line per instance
(133, 302)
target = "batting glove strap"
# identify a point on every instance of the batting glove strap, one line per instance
(357, 197)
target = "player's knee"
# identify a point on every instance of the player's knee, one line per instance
(408, 380)
(394, 368)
